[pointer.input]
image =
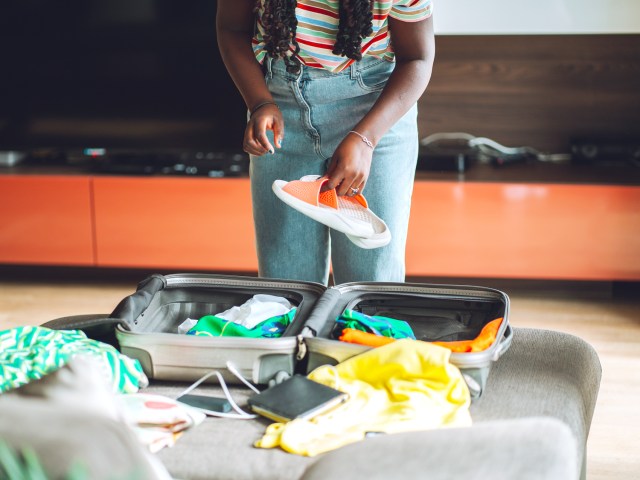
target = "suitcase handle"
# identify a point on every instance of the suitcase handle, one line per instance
(96, 326)
(505, 343)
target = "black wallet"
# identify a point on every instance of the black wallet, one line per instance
(296, 397)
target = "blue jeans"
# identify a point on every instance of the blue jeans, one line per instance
(319, 109)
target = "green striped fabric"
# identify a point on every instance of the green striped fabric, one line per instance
(29, 353)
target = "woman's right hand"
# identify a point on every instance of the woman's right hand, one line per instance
(265, 118)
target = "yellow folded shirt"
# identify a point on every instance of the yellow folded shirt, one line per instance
(403, 386)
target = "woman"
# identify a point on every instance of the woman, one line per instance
(331, 87)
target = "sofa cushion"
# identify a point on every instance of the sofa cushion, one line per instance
(544, 373)
(70, 421)
(537, 448)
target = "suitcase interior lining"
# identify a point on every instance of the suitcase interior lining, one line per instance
(172, 306)
(433, 319)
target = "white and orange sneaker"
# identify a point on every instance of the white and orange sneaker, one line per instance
(347, 214)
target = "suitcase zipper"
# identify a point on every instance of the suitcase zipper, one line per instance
(228, 282)
(436, 292)
(302, 348)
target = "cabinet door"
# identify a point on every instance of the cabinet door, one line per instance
(174, 222)
(539, 231)
(46, 220)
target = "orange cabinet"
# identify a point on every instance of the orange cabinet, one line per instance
(537, 231)
(457, 229)
(172, 222)
(46, 219)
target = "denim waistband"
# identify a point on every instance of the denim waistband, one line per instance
(278, 67)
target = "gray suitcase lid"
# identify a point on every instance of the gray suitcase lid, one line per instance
(131, 310)
(150, 317)
(338, 298)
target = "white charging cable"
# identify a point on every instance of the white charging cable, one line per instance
(240, 414)
(233, 369)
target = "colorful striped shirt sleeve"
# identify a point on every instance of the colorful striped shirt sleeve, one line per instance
(411, 10)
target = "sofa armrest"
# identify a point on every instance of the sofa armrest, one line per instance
(526, 449)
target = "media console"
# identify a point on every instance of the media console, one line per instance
(522, 221)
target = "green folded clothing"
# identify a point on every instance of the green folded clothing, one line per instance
(378, 325)
(213, 326)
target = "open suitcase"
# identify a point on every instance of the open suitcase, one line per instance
(147, 321)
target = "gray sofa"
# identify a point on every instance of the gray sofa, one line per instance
(532, 422)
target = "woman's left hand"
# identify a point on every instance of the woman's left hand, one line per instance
(349, 167)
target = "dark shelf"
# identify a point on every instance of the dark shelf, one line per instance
(540, 172)
(235, 164)
(173, 163)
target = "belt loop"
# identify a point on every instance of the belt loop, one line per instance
(300, 70)
(353, 71)
(268, 61)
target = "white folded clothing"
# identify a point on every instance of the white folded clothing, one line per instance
(257, 309)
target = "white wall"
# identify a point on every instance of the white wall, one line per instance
(468, 17)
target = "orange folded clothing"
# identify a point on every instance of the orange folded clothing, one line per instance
(351, 335)
(484, 340)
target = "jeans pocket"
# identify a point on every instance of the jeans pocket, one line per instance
(374, 78)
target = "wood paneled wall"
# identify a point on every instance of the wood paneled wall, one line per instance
(535, 90)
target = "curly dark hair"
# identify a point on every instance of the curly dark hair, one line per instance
(280, 23)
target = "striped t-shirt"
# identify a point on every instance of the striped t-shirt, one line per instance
(318, 26)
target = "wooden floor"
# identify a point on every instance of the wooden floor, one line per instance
(605, 315)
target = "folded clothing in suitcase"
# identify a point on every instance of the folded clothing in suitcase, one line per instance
(434, 312)
(148, 323)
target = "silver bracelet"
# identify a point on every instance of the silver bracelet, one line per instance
(260, 105)
(364, 139)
